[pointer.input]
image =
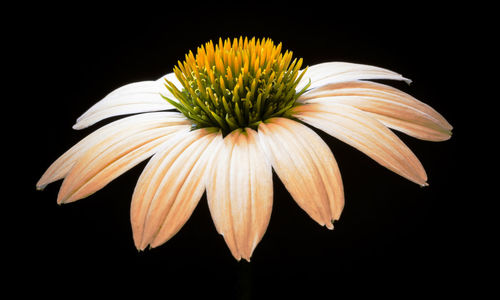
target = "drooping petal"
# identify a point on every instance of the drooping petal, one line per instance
(306, 166)
(390, 106)
(366, 134)
(333, 72)
(144, 96)
(110, 158)
(240, 192)
(120, 128)
(171, 186)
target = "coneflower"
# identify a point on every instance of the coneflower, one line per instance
(225, 118)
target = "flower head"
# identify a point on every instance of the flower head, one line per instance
(223, 120)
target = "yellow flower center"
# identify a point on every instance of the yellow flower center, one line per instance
(236, 85)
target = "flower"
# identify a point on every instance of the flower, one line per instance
(223, 120)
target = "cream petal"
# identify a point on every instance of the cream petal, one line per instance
(144, 96)
(392, 107)
(218, 196)
(110, 158)
(427, 132)
(124, 127)
(144, 86)
(240, 192)
(190, 193)
(366, 134)
(139, 87)
(151, 178)
(170, 187)
(332, 72)
(306, 166)
(132, 105)
(261, 189)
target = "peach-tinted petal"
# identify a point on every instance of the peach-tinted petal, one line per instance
(306, 166)
(107, 160)
(333, 72)
(121, 128)
(171, 186)
(192, 187)
(240, 191)
(392, 107)
(366, 134)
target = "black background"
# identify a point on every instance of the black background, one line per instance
(393, 236)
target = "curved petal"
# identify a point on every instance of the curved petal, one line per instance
(171, 186)
(390, 106)
(120, 128)
(333, 72)
(306, 166)
(105, 161)
(366, 134)
(240, 192)
(144, 96)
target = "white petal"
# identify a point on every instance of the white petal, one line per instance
(240, 192)
(306, 166)
(392, 107)
(139, 87)
(124, 127)
(104, 161)
(333, 72)
(366, 134)
(171, 186)
(136, 97)
(145, 103)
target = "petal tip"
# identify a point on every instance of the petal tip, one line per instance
(158, 242)
(66, 200)
(137, 244)
(63, 198)
(143, 245)
(329, 225)
(42, 183)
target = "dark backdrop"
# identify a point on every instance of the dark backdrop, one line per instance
(393, 236)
